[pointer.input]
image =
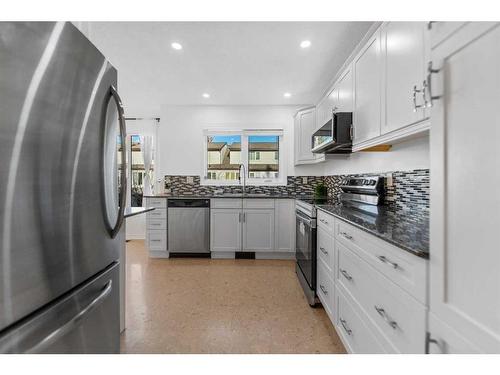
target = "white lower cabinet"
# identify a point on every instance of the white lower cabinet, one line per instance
(373, 310)
(353, 329)
(156, 228)
(263, 226)
(284, 225)
(225, 229)
(325, 289)
(258, 229)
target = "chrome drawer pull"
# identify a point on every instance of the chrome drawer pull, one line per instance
(383, 314)
(155, 240)
(346, 275)
(346, 328)
(383, 259)
(349, 237)
(323, 289)
(323, 250)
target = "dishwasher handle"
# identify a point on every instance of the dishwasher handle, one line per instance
(188, 203)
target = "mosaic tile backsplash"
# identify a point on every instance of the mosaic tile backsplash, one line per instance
(409, 190)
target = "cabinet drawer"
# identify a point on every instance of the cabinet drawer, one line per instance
(326, 249)
(397, 315)
(355, 333)
(258, 203)
(157, 240)
(225, 203)
(158, 213)
(157, 202)
(405, 269)
(326, 222)
(325, 289)
(157, 224)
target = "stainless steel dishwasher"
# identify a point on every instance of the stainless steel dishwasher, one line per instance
(188, 226)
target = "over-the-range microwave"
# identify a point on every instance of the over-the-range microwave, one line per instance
(335, 137)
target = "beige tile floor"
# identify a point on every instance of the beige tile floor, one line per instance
(220, 306)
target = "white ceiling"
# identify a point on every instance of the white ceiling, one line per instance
(238, 63)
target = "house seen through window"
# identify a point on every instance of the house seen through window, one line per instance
(260, 154)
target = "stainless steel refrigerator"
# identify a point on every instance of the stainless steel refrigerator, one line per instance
(62, 178)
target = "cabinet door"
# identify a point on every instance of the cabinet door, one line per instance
(225, 229)
(284, 225)
(367, 91)
(305, 123)
(345, 92)
(258, 229)
(404, 44)
(446, 340)
(465, 158)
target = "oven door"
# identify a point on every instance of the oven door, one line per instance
(305, 247)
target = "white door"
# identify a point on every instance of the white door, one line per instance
(404, 44)
(465, 162)
(284, 225)
(258, 229)
(345, 92)
(367, 91)
(225, 229)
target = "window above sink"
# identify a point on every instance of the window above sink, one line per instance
(260, 151)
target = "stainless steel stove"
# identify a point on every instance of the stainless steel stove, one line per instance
(305, 245)
(360, 193)
(363, 193)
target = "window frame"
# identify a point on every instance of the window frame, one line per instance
(245, 134)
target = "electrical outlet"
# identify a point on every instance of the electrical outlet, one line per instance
(304, 180)
(189, 180)
(388, 179)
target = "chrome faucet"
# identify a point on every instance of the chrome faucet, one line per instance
(244, 178)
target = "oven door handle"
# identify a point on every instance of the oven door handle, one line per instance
(304, 218)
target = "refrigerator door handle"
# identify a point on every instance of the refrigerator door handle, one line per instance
(73, 322)
(123, 177)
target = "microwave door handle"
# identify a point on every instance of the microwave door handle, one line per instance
(334, 125)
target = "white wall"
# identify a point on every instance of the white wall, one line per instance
(412, 154)
(180, 141)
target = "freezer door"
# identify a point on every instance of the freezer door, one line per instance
(84, 321)
(56, 211)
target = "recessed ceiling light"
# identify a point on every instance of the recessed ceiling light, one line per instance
(287, 95)
(206, 95)
(305, 44)
(176, 46)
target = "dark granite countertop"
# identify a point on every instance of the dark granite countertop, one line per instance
(406, 229)
(132, 211)
(227, 195)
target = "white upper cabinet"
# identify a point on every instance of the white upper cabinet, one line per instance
(404, 46)
(368, 90)
(464, 262)
(345, 92)
(304, 126)
(325, 107)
